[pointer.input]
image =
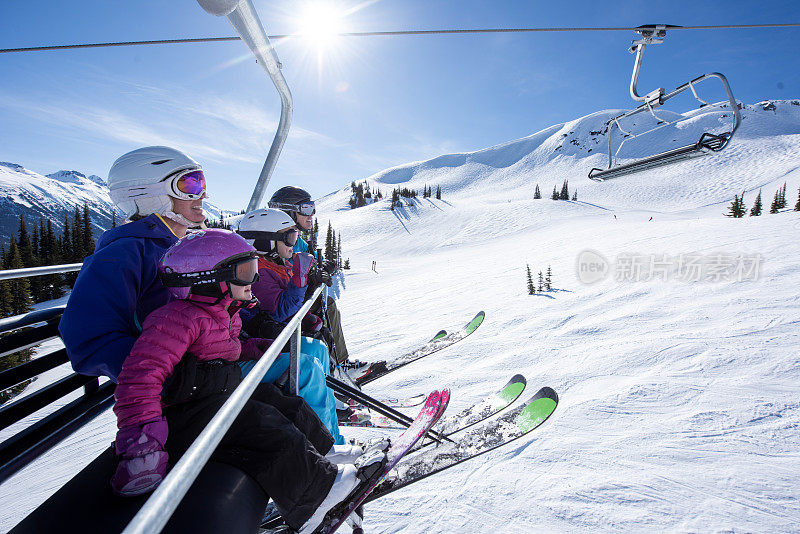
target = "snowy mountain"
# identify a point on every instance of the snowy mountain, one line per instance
(677, 368)
(33, 195)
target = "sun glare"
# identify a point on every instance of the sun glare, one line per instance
(321, 23)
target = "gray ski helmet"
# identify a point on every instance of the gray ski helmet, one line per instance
(288, 198)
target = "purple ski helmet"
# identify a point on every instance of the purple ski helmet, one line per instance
(204, 257)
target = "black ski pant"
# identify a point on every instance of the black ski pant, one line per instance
(277, 439)
(334, 321)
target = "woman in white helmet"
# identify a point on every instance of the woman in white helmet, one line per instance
(161, 190)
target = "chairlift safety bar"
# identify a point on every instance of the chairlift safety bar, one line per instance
(247, 24)
(10, 274)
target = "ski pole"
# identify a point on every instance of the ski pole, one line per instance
(378, 406)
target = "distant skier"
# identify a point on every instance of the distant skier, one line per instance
(182, 369)
(373, 266)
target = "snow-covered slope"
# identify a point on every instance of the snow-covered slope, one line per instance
(25, 192)
(679, 396)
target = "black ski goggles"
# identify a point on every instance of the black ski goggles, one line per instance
(242, 272)
(288, 238)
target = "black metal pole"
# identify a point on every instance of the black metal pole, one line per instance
(378, 406)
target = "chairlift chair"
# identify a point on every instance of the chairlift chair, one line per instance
(707, 143)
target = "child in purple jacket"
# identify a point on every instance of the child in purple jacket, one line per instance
(182, 369)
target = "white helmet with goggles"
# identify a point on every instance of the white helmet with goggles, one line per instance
(144, 181)
(263, 228)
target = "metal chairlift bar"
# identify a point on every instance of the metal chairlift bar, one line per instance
(31, 318)
(26, 371)
(677, 154)
(8, 274)
(155, 513)
(23, 447)
(16, 411)
(27, 338)
(247, 24)
(671, 156)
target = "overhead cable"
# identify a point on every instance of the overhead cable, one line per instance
(392, 33)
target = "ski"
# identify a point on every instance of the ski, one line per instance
(491, 435)
(408, 402)
(438, 342)
(483, 409)
(364, 419)
(430, 413)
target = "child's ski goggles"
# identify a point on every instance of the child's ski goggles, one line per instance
(241, 272)
(288, 238)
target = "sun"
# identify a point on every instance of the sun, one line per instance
(321, 22)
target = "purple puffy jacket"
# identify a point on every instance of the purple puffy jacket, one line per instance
(209, 331)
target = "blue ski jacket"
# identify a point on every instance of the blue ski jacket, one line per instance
(117, 287)
(301, 246)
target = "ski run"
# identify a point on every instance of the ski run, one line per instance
(678, 399)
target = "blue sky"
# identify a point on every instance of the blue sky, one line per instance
(365, 104)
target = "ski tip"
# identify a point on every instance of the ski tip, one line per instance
(517, 379)
(546, 393)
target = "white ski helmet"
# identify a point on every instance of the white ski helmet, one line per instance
(133, 177)
(260, 227)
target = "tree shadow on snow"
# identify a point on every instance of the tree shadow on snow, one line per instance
(338, 286)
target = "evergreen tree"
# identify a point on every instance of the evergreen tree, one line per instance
(66, 240)
(113, 219)
(564, 191)
(782, 197)
(541, 282)
(28, 258)
(797, 206)
(773, 208)
(346, 264)
(531, 287)
(51, 255)
(755, 211)
(77, 236)
(20, 301)
(555, 193)
(438, 193)
(537, 194)
(737, 209)
(339, 250)
(575, 195)
(548, 279)
(329, 243)
(88, 239)
(5, 289)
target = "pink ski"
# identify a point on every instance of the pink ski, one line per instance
(433, 409)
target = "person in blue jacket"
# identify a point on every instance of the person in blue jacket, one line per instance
(297, 203)
(161, 190)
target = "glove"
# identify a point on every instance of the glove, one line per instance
(329, 266)
(142, 458)
(318, 277)
(301, 265)
(325, 335)
(253, 348)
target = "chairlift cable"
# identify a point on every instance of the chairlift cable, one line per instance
(392, 33)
